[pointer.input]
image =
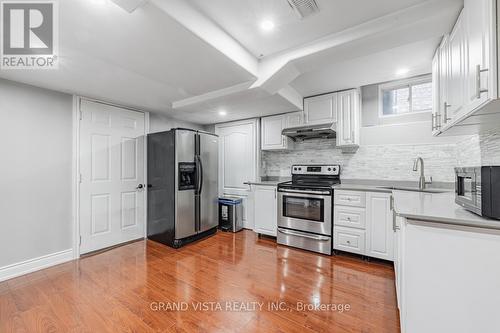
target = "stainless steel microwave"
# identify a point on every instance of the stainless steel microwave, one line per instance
(478, 189)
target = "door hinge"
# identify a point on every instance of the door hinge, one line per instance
(81, 115)
(80, 241)
(80, 178)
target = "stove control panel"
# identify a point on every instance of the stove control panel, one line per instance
(327, 170)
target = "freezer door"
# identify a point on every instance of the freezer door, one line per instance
(185, 225)
(209, 190)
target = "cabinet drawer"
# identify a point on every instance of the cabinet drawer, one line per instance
(350, 198)
(352, 217)
(349, 240)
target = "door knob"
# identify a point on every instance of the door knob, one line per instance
(140, 187)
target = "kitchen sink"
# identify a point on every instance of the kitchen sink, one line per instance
(416, 189)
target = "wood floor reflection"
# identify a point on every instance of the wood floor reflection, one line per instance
(133, 289)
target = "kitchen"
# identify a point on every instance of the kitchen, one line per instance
(353, 146)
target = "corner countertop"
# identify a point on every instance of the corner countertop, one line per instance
(269, 181)
(439, 208)
(423, 206)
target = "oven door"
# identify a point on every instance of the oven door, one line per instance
(468, 189)
(309, 211)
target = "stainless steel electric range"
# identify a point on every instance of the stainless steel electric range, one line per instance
(305, 208)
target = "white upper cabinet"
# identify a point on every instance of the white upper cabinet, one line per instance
(478, 17)
(348, 122)
(457, 63)
(436, 101)
(320, 109)
(467, 72)
(294, 119)
(271, 132)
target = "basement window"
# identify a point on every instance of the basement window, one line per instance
(405, 97)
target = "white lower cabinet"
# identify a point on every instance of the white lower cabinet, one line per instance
(265, 210)
(379, 228)
(363, 223)
(351, 217)
(349, 239)
(447, 278)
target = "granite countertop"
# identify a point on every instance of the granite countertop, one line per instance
(438, 207)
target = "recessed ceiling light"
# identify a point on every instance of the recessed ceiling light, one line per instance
(222, 112)
(267, 25)
(402, 71)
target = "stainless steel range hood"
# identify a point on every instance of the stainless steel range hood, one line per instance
(322, 131)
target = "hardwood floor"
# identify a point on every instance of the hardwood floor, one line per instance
(133, 289)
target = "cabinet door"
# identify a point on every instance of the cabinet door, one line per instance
(348, 118)
(436, 112)
(478, 20)
(238, 149)
(444, 79)
(294, 119)
(271, 132)
(457, 46)
(266, 210)
(349, 240)
(320, 109)
(379, 229)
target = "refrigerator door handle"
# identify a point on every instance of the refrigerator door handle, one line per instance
(200, 186)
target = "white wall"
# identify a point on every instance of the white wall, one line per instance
(388, 148)
(406, 129)
(35, 172)
(159, 123)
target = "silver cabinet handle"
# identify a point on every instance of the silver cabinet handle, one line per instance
(446, 106)
(436, 124)
(394, 225)
(305, 192)
(300, 234)
(478, 81)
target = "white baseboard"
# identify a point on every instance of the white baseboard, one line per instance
(35, 264)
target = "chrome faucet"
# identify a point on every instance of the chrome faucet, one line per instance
(421, 181)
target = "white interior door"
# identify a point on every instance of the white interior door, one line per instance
(238, 162)
(111, 172)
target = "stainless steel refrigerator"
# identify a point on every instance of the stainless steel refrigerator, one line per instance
(182, 186)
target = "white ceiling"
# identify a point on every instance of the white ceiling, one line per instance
(148, 60)
(374, 68)
(241, 18)
(245, 104)
(144, 59)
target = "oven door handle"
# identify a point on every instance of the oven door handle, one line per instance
(304, 192)
(300, 234)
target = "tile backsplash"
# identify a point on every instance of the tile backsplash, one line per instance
(388, 162)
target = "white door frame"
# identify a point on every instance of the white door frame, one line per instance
(76, 166)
